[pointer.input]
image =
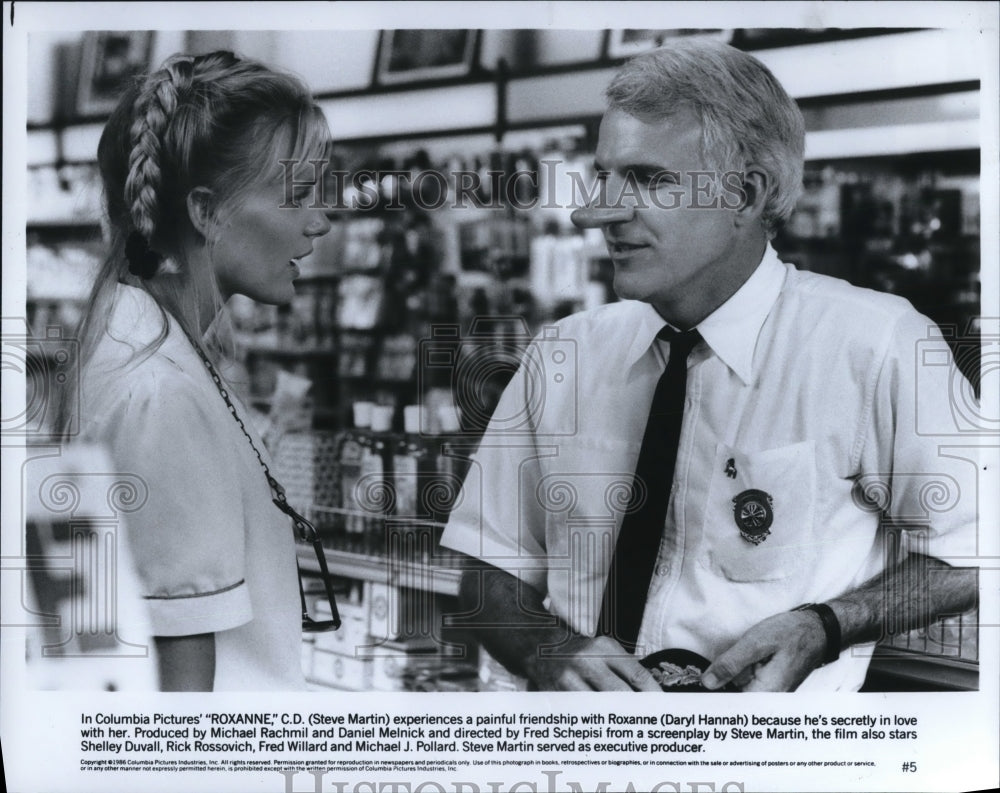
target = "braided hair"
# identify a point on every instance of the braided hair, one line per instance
(154, 108)
(214, 121)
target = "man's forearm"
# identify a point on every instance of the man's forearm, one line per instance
(914, 594)
(779, 652)
(508, 617)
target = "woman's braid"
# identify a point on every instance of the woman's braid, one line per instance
(154, 108)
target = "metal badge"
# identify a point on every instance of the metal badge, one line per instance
(753, 512)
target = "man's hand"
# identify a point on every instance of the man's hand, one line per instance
(509, 618)
(776, 654)
(589, 664)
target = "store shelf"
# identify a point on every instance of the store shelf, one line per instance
(68, 143)
(892, 140)
(471, 107)
(64, 223)
(379, 382)
(383, 570)
(291, 352)
(925, 57)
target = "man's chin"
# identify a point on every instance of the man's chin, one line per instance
(626, 288)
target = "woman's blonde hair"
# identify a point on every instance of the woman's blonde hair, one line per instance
(214, 121)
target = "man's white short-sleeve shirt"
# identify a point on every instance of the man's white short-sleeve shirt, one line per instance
(804, 387)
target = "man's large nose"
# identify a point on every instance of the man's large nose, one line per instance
(593, 217)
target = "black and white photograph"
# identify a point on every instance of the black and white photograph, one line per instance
(555, 360)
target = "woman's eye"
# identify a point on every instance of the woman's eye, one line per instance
(304, 192)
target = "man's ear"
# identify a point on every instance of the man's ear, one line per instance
(755, 184)
(201, 209)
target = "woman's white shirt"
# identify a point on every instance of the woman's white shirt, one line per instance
(213, 553)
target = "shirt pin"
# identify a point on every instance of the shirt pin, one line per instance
(730, 470)
(754, 514)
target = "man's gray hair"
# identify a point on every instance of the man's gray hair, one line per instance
(746, 116)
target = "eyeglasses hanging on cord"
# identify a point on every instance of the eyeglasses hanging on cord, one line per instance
(305, 529)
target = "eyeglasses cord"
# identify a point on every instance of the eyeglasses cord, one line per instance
(306, 530)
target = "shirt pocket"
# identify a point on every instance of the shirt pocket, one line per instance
(760, 515)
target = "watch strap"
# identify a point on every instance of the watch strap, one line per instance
(831, 626)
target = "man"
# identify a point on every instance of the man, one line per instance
(797, 402)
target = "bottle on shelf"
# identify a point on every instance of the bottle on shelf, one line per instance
(353, 449)
(451, 464)
(414, 467)
(376, 481)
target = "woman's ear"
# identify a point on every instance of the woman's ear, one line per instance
(755, 189)
(200, 209)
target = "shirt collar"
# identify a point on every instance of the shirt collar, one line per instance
(732, 329)
(648, 324)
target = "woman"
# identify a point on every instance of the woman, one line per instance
(194, 192)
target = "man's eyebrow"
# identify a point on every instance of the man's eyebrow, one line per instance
(639, 170)
(636, 168)
(643, 168)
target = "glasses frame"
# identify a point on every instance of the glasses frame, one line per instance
(310, 625)
(309, 534)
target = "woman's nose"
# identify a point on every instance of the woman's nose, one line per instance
(318, 225)
(593, 217)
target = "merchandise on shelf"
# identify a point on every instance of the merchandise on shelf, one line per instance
(304, 464)
(387, 642)
(896, 228)
(67, 195)
(376, 493)
(61, 269)
(416, 490)
(341, 671)
(353, 456)
(360, 302)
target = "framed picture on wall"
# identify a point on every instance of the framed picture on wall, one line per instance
(625, 43)
(108, 61)
(406, 56)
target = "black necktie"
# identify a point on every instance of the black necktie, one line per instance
(642, 527)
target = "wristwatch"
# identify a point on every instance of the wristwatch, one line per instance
(831, 626)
